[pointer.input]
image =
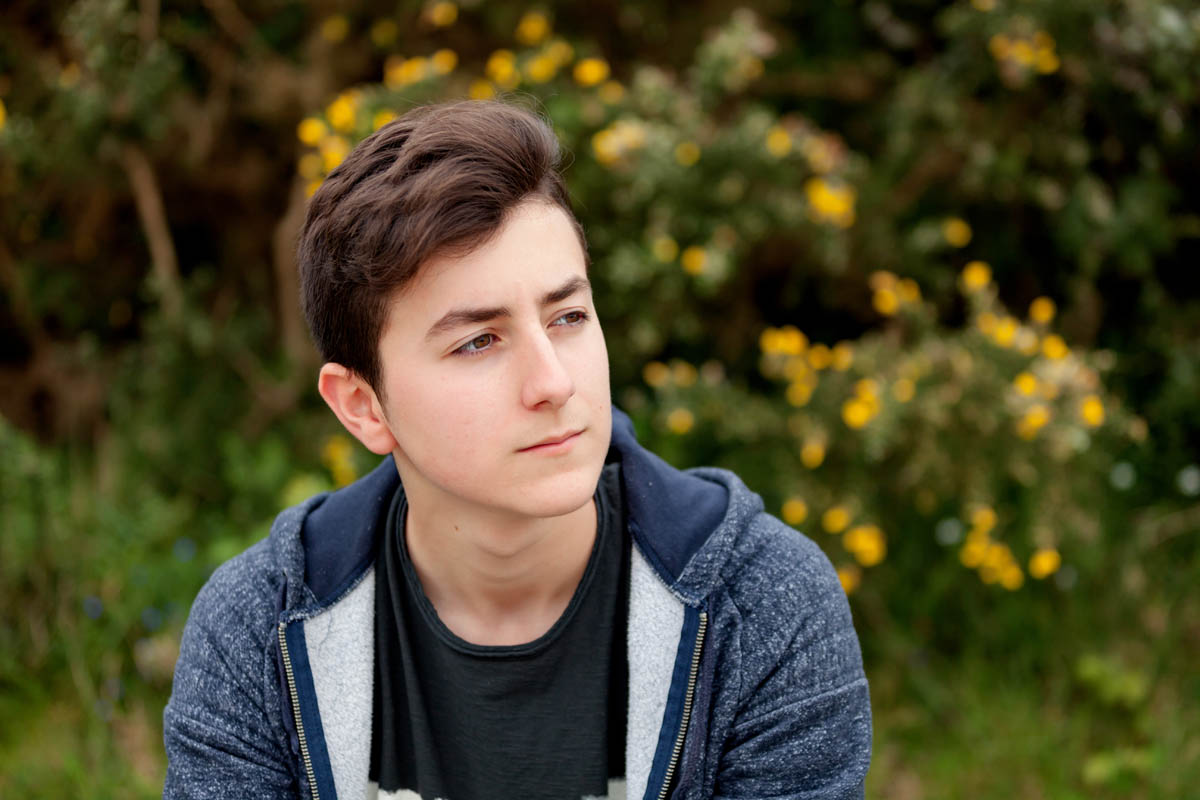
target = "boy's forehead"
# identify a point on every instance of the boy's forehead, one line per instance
(536, 250)
(534, 257)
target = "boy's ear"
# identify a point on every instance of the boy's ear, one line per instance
(355, 404)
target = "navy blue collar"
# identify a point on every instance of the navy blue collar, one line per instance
(671, 515)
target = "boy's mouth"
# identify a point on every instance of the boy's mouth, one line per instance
(553, 441)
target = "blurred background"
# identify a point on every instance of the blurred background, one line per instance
(923, 273)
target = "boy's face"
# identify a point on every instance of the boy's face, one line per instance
(496, 375)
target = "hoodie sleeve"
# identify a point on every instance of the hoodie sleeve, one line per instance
(223, 726)
(803, 723)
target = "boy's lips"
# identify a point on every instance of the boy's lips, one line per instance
(553, 440)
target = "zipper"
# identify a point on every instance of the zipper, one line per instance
(687, 707)
(291, 682)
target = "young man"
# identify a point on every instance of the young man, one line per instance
(520, 601)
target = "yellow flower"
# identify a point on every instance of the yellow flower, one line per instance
(693, 260)
(795, 511)
(606, 146)
(972, 553)
(501, 67)
(335, 28)
(812, 454)
(819, 356)
(956, 231)
(481, 90)
(1034, 420)
(591, 71)
(665, 249)
(830, 202)
(311, 131)
(533, 28)
(687, 153)
(680, 421)
(976, 275)
(779, 141)
(1005, 332)
(541, 69)
(997, 557)
(983, 519)
(399, 71)
(1041, 310)
(442, 14)
(612, 92)
(883, 279)
(903, 390)
(1000, 46)
(798, 393)
(1011, 577)
(382, 118)
(885, 302)
(334, 150)
(835, 519)
(866, 388)
(850, 577)
(337, 455)
(987, 323)
(560, 51)
(656, 374)
(1026, 384)
(683, 373)
(1046, 62)
(842, 356)
(443, 61)
(4, 115)
(909, 291)
(384, 32)
(341, 113)
(867, 543)
(796, 368)
(856, 413)
(1044, 563)
(1022, 53)
(309, 166)
(1092, 411)
(791, 341)
(1054, 348)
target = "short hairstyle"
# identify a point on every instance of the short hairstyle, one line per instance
(439, 180)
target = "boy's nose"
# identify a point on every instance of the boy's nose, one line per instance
(546, 379)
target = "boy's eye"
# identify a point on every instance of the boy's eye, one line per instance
(476, 345)
(572, 318)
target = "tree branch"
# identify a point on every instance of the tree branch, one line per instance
(287, 281)
(154, 224)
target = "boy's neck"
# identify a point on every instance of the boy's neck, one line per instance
(497, 581)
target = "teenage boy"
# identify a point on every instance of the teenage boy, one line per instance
(520, 601)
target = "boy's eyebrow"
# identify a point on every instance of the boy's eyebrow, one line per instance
(470, 316)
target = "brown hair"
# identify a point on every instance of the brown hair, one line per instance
(439, 180)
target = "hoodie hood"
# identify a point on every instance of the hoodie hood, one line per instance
(695, 514)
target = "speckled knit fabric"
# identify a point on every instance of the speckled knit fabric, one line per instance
(778, 705)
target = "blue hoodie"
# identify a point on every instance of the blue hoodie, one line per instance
(745, 676)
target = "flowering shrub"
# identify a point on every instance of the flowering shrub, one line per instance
(986, 432)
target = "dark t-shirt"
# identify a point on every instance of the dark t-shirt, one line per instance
(545, 719)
